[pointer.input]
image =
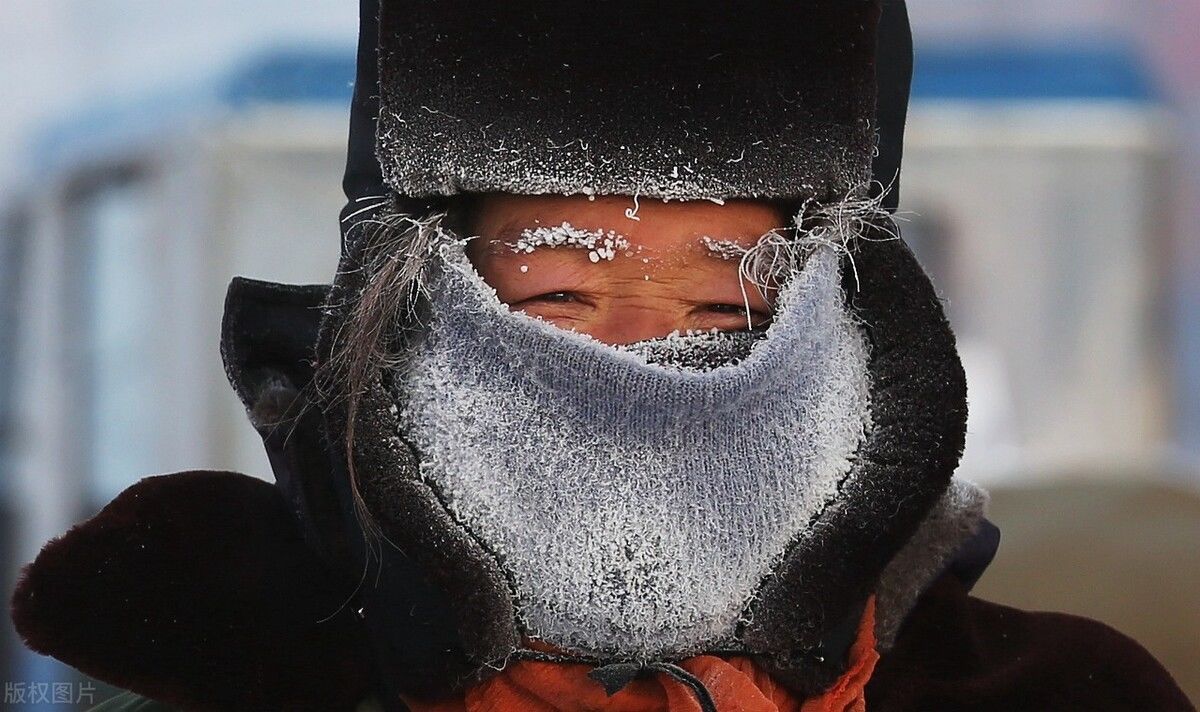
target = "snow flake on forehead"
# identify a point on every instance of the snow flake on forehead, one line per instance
(600, 244)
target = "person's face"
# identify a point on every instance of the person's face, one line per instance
(632, 279)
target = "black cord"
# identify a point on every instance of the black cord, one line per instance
(703, 696)
(616, 676)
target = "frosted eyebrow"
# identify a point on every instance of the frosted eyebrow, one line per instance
(724, 248)
(600, 244)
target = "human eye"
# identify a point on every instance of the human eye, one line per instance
(729, 316)
(554, 297)
(738, 310)
(557, 301)
(562, 308)
(727, 308)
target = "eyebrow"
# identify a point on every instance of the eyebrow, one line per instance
(511, 229)
(727, 249)
(506, 234)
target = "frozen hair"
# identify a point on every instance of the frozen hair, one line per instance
(387, 251)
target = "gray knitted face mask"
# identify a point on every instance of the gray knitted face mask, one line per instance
(636, 496)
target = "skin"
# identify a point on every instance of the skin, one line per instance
(666, 280)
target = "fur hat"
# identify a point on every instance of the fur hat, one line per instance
(773, 99)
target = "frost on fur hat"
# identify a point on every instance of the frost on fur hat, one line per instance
(678, 100)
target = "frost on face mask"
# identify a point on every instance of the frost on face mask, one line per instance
(697, 350)
(635, 496)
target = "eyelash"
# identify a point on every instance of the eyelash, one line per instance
(727, 308)
(737, 310)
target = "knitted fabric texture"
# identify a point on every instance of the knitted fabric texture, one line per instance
(635, 506)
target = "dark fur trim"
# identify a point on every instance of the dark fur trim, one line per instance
(954, 534)
(918, 410)
(196, 589)
(268, 336)
(438, 606)
(415, 519)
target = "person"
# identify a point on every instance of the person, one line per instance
(626, 395)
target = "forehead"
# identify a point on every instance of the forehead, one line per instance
(647, 223)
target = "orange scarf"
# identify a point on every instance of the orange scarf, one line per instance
(736, 685)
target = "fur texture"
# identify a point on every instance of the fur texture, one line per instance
(957, 517)
(918, 392)
(628, 98)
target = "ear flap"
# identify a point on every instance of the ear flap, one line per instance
(268, 338)
(902, 468)
(268, 345)
(197, 589)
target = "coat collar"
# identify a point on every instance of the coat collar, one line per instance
(198, 589)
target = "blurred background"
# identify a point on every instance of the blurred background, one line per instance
(151, 151)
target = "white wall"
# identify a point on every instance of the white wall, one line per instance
(1051, 243)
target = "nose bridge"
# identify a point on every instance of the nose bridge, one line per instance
(629, 322)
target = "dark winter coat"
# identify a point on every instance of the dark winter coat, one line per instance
(133, 594)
